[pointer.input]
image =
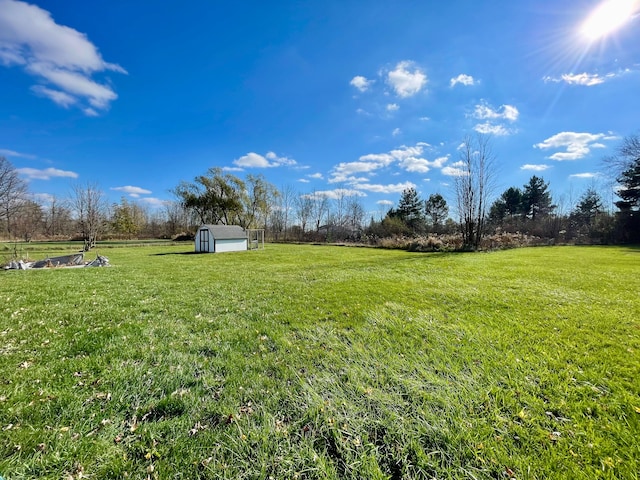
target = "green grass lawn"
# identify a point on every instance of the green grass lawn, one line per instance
(323, 362)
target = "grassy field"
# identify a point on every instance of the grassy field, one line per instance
(323, 362)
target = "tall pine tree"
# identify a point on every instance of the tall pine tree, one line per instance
(536, 198)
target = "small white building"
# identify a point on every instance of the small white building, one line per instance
(221, 238)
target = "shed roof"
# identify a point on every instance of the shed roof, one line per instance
(226, 232)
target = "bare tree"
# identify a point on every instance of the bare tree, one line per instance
(355, 213)
(287, 198)
(12, 193)
(473, 187)
(89, 206)
(304, 209)
(28, 220)
(57, 219)
(319, 208)
(259, 199)
(177, 218)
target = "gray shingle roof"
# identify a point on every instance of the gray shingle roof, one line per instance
(226, 232)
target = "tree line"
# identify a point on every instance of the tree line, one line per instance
(219, 197)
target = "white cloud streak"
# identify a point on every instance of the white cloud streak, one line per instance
(574, 145)
(12, 153)
(491, 129)
(584, 79)
(46, 174)
(270, 160)
(584, 175)
(392, 188)
(155, 202)
(535, 168)
(408, 158)
(132, 191)
(334, 194)
(60, 56)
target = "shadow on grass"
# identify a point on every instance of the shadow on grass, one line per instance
(176, 253)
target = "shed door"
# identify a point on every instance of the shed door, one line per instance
(204, 240)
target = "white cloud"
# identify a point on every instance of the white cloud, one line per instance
(439, 162)
(56, 96)
(392, 107)
(304, 180)
(535, 168)
(484, 111)
(408, 158)
(584, 175)
(453, 172)
(270, 160)
(407, 79)
(361, 83)
(392, 188)
(585, 79)
(575, 145)
(383, 158)
(406, 152)
(135, 192)
(463, 79)
(59, 55)
(396, 132)
(361, 111)
(490, 129)
(46, 174)
(424, 119)
(75, 84)
(317, 176)
(43, 198)
(12, 153)
(334, 194)
(413, 164)
(155, 202)
(233, 169)
(252, 160)
(343, 172)
(385, 202)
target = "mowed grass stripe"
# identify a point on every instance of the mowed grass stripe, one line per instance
(324, 362)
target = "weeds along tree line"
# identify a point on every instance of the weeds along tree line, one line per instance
(479, 217)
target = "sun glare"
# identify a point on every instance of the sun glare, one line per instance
(607, 17)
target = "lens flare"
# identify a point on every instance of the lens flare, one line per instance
(608, 17)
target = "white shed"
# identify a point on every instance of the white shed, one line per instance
(221, 238)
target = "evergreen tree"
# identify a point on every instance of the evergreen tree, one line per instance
(536, 198)
(629, 192)
(436, 210)
(410, 210)
(629, 189)
(509, 204)
(588, 207)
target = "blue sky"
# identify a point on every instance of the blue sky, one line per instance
(361, 97)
